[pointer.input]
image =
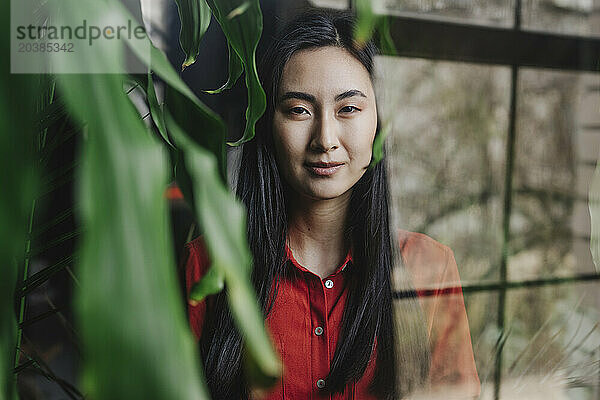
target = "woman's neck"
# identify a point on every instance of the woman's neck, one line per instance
(316, 233)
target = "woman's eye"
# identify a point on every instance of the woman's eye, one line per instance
(349, 109)
(298, 110)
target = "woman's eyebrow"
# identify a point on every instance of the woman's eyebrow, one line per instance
(312, 99)
(349, 93)
(298, 95)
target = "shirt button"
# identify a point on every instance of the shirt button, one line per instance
(320, 383)
(328, 283)
(318, 331)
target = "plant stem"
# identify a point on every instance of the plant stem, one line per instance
(25, 271)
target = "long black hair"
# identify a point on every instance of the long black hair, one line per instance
(370, 311)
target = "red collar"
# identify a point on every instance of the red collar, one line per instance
(295, 262)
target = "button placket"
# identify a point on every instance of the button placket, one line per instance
(320, 357)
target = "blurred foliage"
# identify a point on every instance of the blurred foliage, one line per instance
(135, 339)
(368, 26)
(18, 183)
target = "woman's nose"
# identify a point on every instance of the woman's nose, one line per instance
(325, 135)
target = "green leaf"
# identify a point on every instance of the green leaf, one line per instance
(235, 71)
(211, 283)
(156, 110)
(386, 43)
(378, 144)
(223, 219)
(366, 21)
(242, 24)
(200, 126)
(195, 19)
(182, 176)
(133, 350)
(19, 184)
(18, 188)
(137, 343)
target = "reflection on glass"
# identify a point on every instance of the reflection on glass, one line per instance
(446, 155)
(482, 312)
(485, 12)
(575, 17)
(552, 344)
(555, 155)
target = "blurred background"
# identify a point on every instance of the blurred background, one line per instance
(495, 113)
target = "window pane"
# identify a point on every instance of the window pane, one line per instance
(575, 17)
(552, 346)
(447, 154)
(488, 12)
(557, 146)
(482, 311)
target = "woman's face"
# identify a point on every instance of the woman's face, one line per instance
(324, 122)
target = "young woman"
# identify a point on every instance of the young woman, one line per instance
(343, 315)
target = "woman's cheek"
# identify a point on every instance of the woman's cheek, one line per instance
(362, 144)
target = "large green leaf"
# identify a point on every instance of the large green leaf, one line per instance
(17, 199)
(17, 202)
(223, 219)
(137, 343)
(235, 70)
(242, 24)
(195, 19)
(233, 251)
(133, 327)
(199, 126)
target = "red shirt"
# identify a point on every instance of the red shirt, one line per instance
(305, 321)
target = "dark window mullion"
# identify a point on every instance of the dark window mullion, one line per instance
(508, 194)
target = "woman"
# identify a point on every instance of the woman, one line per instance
(318, 229)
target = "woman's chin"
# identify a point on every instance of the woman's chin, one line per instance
(326, 193)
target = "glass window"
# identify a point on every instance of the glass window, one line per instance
(447, 154)
(574, 17)
(484, 12)
(551, 349)
(555, 156)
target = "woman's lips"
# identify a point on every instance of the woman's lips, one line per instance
(324, 170)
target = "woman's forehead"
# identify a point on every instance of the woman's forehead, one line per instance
(324, 71)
